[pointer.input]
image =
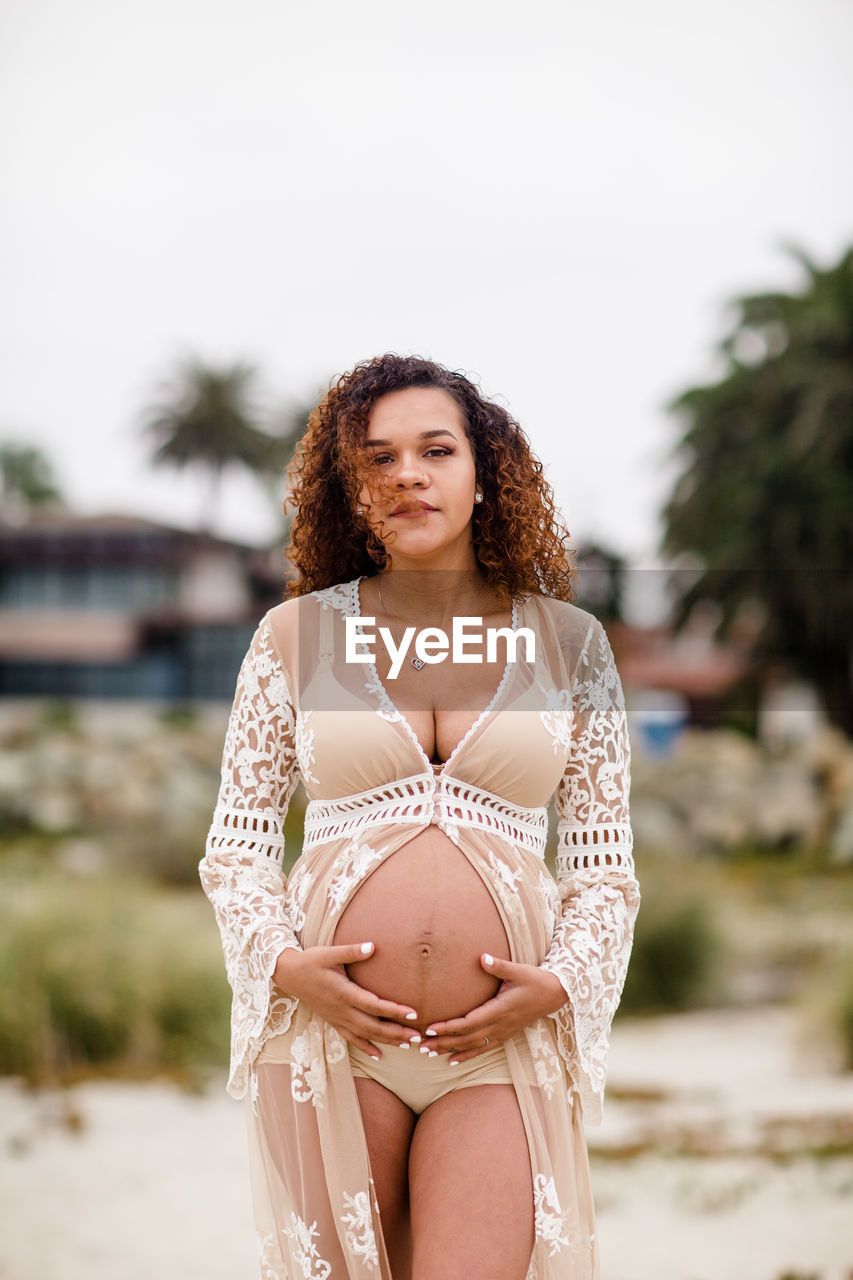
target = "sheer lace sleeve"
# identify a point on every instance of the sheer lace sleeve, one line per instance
(241, 870)
(595, 872)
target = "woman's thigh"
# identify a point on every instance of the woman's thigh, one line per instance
(470, 1188)
(388, 1125)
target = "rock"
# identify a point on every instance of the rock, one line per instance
(787, 806)
(658, 830)
(125, 774)
(841, 837)
(54, 809)
(13, 774)
(80, 857)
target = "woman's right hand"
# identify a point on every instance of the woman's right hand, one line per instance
(317, 975)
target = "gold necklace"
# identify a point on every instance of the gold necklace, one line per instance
(417, 663)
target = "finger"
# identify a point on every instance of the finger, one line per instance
(391, 1033)
(450, 1044)
(507, 970)
(372, 1050)
(349, 952)
(461, 1044)
(473, 1024)
(353, 953)
(455, 1027)
(374, 1005)
(465, 1055)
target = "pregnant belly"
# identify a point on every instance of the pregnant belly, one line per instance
(430, 917)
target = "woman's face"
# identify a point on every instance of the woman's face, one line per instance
(417, 443)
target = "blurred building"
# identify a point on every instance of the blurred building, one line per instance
(120, 607)
(675, 680)
(115, 606)
(693, 677)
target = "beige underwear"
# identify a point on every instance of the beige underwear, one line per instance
(419, 1080)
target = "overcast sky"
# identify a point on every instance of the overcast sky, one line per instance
(556, 197)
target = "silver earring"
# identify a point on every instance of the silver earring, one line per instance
(478, 497)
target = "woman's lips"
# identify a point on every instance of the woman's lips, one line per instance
(411, 513)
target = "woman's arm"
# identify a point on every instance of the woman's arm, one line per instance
(241, 870)
(580, 980)
(595, 871)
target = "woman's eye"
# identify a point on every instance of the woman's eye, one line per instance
(439, 451)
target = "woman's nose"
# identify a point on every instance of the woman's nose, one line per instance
(409, 471)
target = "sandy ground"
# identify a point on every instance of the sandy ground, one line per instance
(715, 1162)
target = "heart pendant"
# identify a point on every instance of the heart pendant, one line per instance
(417, 663)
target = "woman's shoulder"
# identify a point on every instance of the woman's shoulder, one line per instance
(569, 621)
(300, 614)
(283, 618)
(572, 641)
(338, 595)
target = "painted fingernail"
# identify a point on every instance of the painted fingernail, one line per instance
(404, 1044)
(410, 1017)
(431, 1033)
(366, 948)
(454, 1062)
(424, 1048)
(487, 959)
(433, 1053)
(377, 1057)
(414, 1039)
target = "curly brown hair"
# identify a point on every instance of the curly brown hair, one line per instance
(520, 540)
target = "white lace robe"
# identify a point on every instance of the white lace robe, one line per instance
(315, 1206)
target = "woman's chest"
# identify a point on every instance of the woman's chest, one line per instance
(441, 703)
(515, 746)
(440, 731)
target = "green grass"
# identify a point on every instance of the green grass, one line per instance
(674, 960)
(106, 969)
(108, 974)
(843, 1016)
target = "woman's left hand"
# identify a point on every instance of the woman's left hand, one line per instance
(525, 994)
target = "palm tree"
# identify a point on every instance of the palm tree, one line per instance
(601, 581)
(286, 429)
(764, 504)
(209, 418)
(26, 479)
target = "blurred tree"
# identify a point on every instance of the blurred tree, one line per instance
(287, 428)
(600, 581)
(26, 479)
(764, 505)
(210, 418)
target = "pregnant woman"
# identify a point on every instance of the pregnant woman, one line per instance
(421, 1011)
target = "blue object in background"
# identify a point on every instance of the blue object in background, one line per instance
(658, 719)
